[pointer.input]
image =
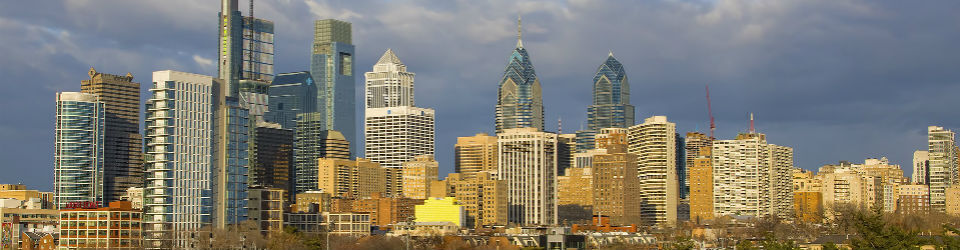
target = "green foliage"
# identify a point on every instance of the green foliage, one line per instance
(745, 245)
(682, 244)
(874, 233)
(830, 246)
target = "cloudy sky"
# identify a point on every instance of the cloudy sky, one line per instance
(834, 79)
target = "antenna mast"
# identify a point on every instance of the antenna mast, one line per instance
(713, 126)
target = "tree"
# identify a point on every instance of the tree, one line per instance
(745, 245)
(682, 243)
(874, 233)
(830, 246)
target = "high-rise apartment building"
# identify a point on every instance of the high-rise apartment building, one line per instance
(417, 176)
(266, 208)
(752, 177)
(611, 97)
(654, 143)
(123, 143)
(179, 145)
(475, 154)
(396, 130)
(528, 163)
(915, 199)
(943, 165)
(291, 94)
(350, 178)
(272, 157)
(921, 167)
(79, 149)
(483, 197)
(700, 177)
(519, 98)
(614, 186)
(331, 66)
(311, 142)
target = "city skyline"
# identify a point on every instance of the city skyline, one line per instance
(463, 87)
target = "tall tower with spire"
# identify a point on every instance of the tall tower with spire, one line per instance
(519, 99)
(611, 97)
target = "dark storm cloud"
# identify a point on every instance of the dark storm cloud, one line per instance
(836, 80)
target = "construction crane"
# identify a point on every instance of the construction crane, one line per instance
(713, 126)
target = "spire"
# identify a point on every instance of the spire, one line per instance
(389, 58)
(519, 32)
(752, 129)
(611, 53)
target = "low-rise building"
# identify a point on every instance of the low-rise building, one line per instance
(265, 207)
(425, 228)
(318, 200)
(16, 219)
(915, 199)
(135, 196)
(441, 210)
(117, 226)
(385, 211)
(39, 241)
(348, 223)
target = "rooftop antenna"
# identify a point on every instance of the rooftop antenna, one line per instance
(560, 125)
(752, 129)
(713, 126)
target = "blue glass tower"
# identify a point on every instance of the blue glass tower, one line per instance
(611, 97)
(520, 102)
(78, 157)
(331, 65)
(291, 94)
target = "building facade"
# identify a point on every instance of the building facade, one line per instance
(943, 165)
(654, 143)
(519, 98)
(442, 209)
(528, 163)
(475, 154)
(272, 157)
(266, 208)
(611, 97)
(311, 142)
(700, 178)
(614, 186)
(123, 148)
(575, 195)
(350, 178)
(921, 167)
(291, 94)
(915, 199)
(79, 149)
(418, 175)
(752, 177)
(396, 130)
(117, 226)
(483, 197)
(331, 66)
(179, 145)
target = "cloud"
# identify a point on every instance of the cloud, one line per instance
(837, 80)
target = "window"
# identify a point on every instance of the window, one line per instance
(346, 64)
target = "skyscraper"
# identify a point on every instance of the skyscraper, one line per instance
(921, 167)
(519, 98)
(230, 49)
(528, 163)
(258, 37)
(311, 142)
(331, 66)
(752, 177)
(272, 157)
(396, 130)
(611, 97)
(654, 143)
(180, 145)
(79, 149)
(291, 94)
(475, 154)
(943, 165)
(123, 144)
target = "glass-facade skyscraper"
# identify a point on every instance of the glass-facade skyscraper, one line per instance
(78, 157)
(331, 65)
(611, 97)
(291, 94)
(520, 102)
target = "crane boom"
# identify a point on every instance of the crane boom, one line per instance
(713, 126)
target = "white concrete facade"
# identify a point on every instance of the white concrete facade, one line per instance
(527, 161)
